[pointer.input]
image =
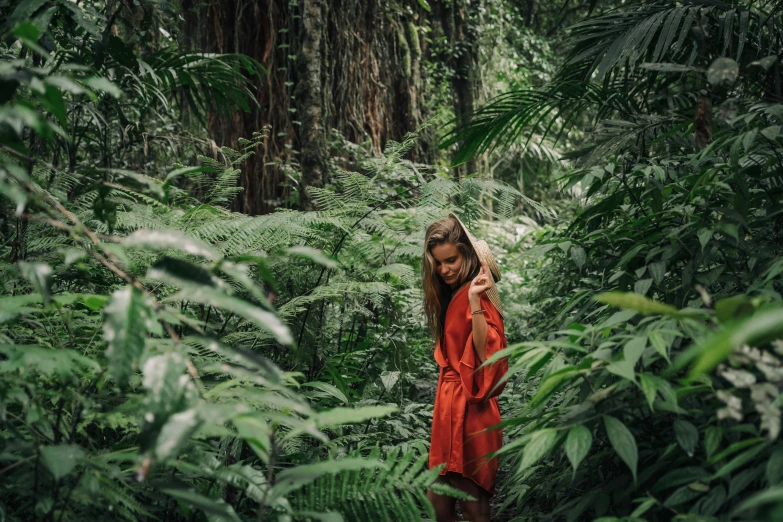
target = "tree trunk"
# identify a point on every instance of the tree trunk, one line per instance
(309, 97)
(352, 66)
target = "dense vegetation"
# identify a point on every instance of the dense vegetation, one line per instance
(165, 357)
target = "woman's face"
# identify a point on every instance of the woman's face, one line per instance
(448, 261)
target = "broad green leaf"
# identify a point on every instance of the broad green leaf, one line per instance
(255, 431)
(704, 237)
(216, 508)
(623, 442)
(340, 416)
(294, 478)
(657, 271)
(577, 445)
(578, 256)
(40, 276)
(682, 495)
(326, 516)
(712, 438)
(687, 436)
(190, 290)
(61, 460)
(649, 387)
(552, 382)
(540, 443)
(622, 369)
(641, 304)
(642, 286)
(98, 83)
(171, 239)
(314, 255)
(738, 461)
(774, 471)
(389, 379)
(712, 502)
(633, 349)
(175, 433)
(762, 327)
(771, 496)
(328, 389)
(129, 319)
(732, 308)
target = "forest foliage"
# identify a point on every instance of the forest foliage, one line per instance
(166, 358)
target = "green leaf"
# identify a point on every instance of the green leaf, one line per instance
(340, 416)
(712, 502)
(552, 382)
(216, 508)
(578, 256)
(424, 5)
(622, 369)
(61, 460)
(762, 327)
(27, 31)
(577, 445)
(712, 438)
(129, 318)
(738, 461)
(314, 255)
(732, 308)
(687, 436)
(649, 388)
(191, 290)
(175, 433)
(623, 442)
(328, 389)
(171, 239)
(291, 479)
(633, 349)
(642, 286)
(40, 277)
(642, 304)
(540, 443)
(774, 471)
(704, 237)
(770, 496)
(98, 83)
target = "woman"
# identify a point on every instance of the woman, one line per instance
(465, 314)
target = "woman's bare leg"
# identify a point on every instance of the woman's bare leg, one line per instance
(445, 506)
(473, 510)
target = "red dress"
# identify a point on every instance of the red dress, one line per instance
(465, 402)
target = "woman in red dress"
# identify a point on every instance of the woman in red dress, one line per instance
(465, 314)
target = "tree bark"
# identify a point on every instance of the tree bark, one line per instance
(309, 97)
(352, 66)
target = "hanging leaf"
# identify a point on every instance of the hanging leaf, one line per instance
(540, 443)
(623, 442)
(129, 319)
(579, 256)
(687, 436)
(171, 239)
(61, 460)
(40, 277)
(577, 445)
(216, 508)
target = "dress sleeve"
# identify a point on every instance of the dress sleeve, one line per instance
(479, 384)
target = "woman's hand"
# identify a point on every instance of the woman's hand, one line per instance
(481, 283)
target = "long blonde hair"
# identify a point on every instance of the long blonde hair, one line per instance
(437, 293)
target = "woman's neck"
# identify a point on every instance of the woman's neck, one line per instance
(457, 289)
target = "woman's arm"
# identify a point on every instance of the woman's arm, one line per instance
(479, 329)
